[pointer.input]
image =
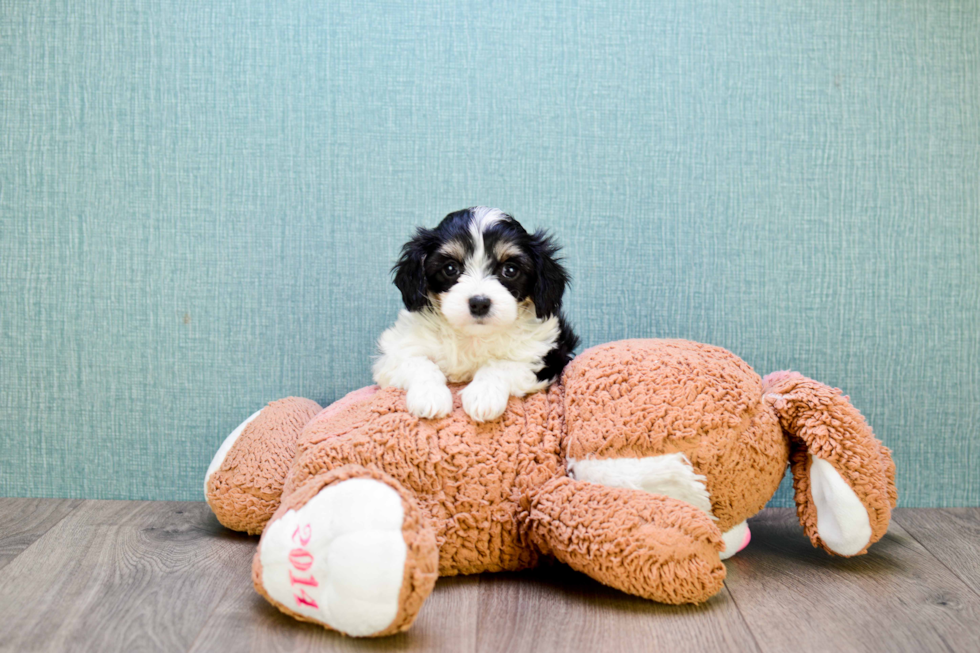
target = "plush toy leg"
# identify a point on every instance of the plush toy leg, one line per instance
(349, 550)
(641, 543)
(844, 478)
(244, 482)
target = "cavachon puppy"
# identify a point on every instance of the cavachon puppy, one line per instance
(482, 306)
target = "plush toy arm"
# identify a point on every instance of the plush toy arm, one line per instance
(641, 543)
(844, 478)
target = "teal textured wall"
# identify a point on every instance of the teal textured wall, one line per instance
(200, 201)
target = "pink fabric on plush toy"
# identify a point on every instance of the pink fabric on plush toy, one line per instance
(350, 399)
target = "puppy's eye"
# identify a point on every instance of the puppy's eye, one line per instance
(509, 271)
(450, 269)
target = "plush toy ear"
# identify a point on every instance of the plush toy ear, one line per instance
(409, 271)
(844, 478)
(549, 285)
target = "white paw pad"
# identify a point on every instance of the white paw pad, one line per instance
(842, 520)
(340, 559)
(484, 402)
(429, 400)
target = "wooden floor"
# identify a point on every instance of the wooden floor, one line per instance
(131, 576)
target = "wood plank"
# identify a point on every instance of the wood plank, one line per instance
(22, 521)
(244, 621)
(120, 576)
(165, 576)
(554, 609)
(897, 597)
(541, 611)
(952, 535)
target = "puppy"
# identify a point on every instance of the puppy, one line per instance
(483, 306)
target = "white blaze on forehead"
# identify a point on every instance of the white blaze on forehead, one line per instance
(478, 280)
(478, 263)
(485, 217)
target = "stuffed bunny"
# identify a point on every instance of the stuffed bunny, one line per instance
(639, 469)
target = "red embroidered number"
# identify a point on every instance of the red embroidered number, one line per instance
(302, 535)
(302, 560)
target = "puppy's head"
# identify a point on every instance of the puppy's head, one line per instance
(478, 268)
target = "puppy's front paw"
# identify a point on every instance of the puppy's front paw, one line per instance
(484, 401)
(429, 400)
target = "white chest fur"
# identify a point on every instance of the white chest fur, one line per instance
(459, 355)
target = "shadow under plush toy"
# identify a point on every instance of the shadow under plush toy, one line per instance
(639, 469)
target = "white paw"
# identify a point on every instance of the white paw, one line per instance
(340, 559)
(429, 400)
(484, 401)
(842, 520)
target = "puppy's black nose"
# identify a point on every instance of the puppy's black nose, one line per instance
(479, 306)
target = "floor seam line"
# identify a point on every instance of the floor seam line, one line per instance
(742, 617)
(81, 502)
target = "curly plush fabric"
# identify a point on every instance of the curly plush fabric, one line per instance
(644, 544)
(639, 398)
(500, 495)
(421, 561)
(464, 475)
(245, 490)
(823, 423)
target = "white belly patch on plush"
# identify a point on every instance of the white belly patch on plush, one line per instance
(669, 474)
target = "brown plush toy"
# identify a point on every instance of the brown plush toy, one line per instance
(638, 469)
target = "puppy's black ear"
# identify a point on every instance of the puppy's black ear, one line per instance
(409, 271)
(549, 285)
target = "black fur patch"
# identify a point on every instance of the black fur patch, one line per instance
(556, 359)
